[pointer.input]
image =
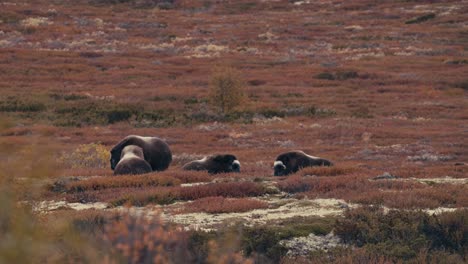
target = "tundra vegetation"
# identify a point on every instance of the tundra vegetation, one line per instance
(379, 88)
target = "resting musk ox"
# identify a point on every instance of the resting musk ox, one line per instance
(155, 151)
(132, 161)
(215, 164)
(291, 162)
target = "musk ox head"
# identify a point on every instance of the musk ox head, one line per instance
(115, 158)
(226, 163)
(279, 168)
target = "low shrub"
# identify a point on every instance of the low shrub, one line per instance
(68, 97)
(91, 112)
(13, 104)
(325, 76)
(340, 75)
(264, 240)
(362, 112)
(421, 19)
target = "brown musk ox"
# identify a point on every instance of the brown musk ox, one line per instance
(218, 163)
(132, 161)
(292, 161)
(155, 151)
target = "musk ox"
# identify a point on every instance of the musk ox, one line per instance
(132, 161)
(291, 162)
(219, 163)
(155, 151)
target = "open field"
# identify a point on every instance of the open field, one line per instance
(377, 87)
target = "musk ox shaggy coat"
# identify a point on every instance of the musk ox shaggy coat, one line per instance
(215, 164)
(155, 151)
(132, 161)
(291, 162)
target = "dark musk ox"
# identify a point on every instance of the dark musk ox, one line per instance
(155, 151)
(291, 162)
(132, 161)
(219, 163)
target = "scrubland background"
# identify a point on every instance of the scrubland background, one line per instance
(373, 86)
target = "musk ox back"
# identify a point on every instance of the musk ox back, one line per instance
(291, 162)
(156, 152)
(220, 163)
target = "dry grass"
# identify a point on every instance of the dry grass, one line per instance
(219, 204)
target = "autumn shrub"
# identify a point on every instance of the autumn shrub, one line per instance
(230, 189)
(219, 204)
(166, 195)
(148, 240)
(158, 195)
(90, 222)
(132, 181)
(227, 89)
(91, 155)
(190, 176)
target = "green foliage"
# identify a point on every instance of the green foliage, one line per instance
(325, 76)
(421, 19)
(93, 113)
(67, 97)
(340, 75)
(463, 85)
(13, 104)
(401, 235)
(227, 89)
(265, 240)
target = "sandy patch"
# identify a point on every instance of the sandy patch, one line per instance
(47, 206)
(303, 246)
(281, 209)
(194, 184)
(446, 179)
